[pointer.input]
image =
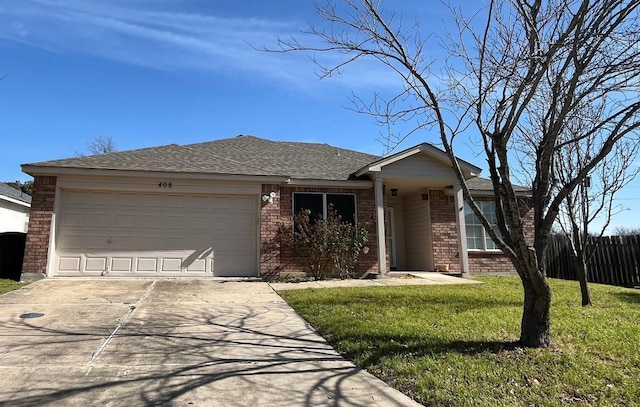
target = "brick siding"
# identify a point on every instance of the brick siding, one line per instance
(37, 245)
(495, 262)
(270, 222)
(444, 230)
(445, 238)
(275, 259)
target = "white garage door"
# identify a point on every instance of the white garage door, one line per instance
(107, 233)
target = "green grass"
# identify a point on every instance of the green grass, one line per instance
(455, 345)
(9, 285)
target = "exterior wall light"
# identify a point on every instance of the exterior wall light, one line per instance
(268, 197)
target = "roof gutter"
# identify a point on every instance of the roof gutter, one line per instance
(358, 184)
(35, 170)
(487, 193)
(15, 201)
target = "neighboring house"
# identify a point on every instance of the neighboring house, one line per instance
(14, 209)
(215, 209)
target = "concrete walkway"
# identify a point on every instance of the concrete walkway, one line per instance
(411, 278)
(190, 342)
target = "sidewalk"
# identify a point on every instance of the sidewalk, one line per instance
(412, 278)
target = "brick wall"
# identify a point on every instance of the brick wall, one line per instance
(37, 245)
(496, 262)
(444, 229)
(275, 259)
(270, 222)
(489, 262)
(445, 239)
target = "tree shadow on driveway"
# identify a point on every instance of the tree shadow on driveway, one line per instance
(195, 354)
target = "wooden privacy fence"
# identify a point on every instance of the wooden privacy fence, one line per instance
(616, 260)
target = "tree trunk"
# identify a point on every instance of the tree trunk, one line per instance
(582, 278)
(535, 328)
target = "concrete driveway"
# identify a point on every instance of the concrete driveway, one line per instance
(170, 342)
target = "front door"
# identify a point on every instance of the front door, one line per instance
(390, 234)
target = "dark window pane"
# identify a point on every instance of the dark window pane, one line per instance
(310, 202)
(344, 205)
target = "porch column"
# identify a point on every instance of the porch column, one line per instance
(462, 230)
(382, 249)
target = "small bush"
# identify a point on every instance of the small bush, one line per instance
(327, 245)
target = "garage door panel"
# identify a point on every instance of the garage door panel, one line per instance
(94, 242)
(148, 221)
(197, 266)
(172, 265)
(96, 264)
(244, 224)
(150, 234)
(71, 242)
(174, 222)
(221, 222)
(199, 224)
(73, 197)
(105, 199)
(124, 220)
(69, 264)
(147, 264)
(74, 219)
(220, 245)
(119, 264)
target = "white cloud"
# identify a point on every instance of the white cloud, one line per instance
(19, 29)
(159, 35)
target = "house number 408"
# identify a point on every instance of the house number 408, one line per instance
(165, 184)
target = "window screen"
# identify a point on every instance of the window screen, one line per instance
(319, 204)
(310, 202)
(477, 236)
(344, 205)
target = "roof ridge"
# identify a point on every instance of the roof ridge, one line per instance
(246, 155)
(209, 154)
(299, 144)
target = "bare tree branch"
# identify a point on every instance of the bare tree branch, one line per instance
(521, 72)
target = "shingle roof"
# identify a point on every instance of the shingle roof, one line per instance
(10, 192)
(485, 184)
(241, 155)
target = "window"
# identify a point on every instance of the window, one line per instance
(319, 204)
(477, 237)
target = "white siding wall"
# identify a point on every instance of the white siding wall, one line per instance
(395, 202)
(13, 217)
(418, 242)
(417, 167)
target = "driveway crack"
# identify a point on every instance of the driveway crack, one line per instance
(120, 324)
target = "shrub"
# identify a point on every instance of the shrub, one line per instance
(327, 245)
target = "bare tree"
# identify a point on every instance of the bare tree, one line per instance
(512, 63)
(626, 231)
(100, 145)
(593, 199)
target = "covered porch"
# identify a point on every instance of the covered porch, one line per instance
(420, 211)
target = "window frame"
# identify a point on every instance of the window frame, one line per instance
(324, 202)
(485, 235)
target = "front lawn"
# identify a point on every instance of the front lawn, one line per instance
(455, 345)
(7, 285)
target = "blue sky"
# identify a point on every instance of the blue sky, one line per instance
(155, 72)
